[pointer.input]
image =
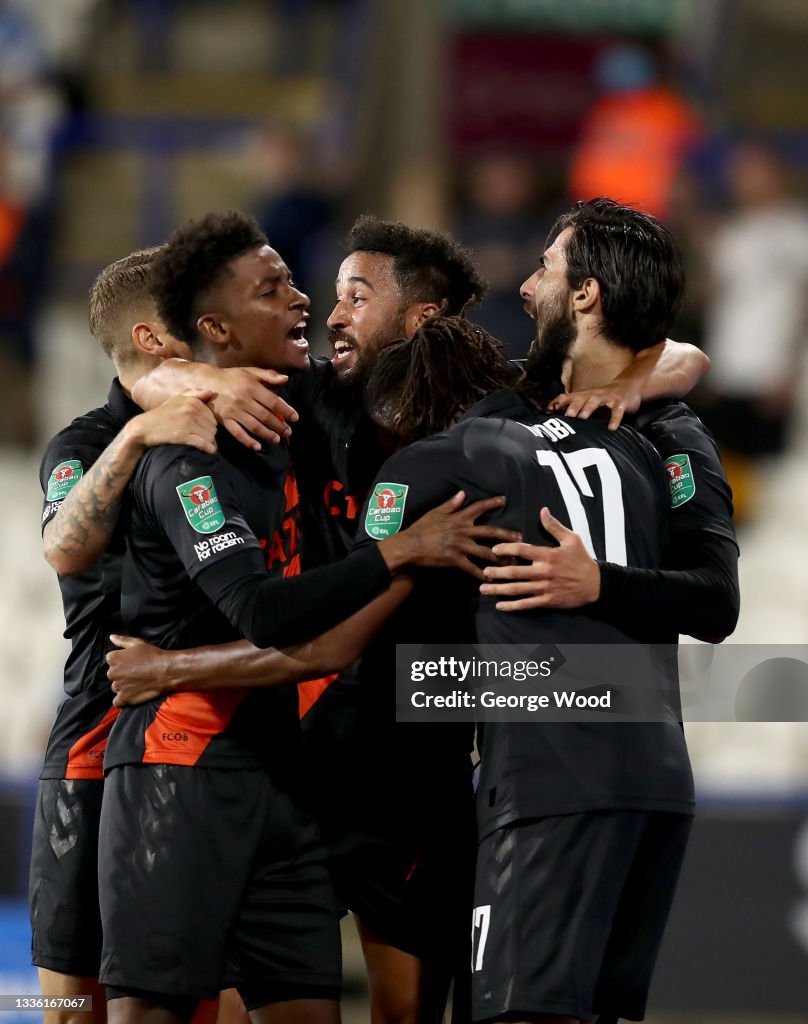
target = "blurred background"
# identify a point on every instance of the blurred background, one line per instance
(121, 118)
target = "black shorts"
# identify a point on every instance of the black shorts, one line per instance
(414, 900)
(63, 884)
(412, 884)
(210, 878)
(570, 911)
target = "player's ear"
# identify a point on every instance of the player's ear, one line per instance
(145, 338)
(213, 328)
(153, 340)
(417, 314)
(586, 296)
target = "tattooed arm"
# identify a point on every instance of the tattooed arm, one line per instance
(81, 530)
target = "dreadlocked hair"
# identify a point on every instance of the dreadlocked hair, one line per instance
(431, 380)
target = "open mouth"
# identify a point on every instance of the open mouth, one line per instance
(343, 348)
(298, 335)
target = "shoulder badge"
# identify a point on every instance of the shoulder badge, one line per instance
(63, 479)
(385, 510)
(680, 479)
(200, 505)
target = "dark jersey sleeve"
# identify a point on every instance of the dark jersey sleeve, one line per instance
(69, 455)
(700, 496)
(408, 485)
(698, 595)
(189, 496)
(697, 592)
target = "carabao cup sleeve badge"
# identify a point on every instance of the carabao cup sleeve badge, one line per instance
(385, 510)
(200, 505)
(63, 479)
(680, 479)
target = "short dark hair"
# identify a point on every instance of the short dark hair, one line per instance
(449, 364)
(193, 260)
(119, 296)
(428, 266)
(637, 263)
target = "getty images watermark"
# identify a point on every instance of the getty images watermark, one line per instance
(601, 683)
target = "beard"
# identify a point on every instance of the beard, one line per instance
(352, 384)
(555, 334)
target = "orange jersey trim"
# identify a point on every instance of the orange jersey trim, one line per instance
(290, 490)
(186, 723)
(311, 691)
(85, 759)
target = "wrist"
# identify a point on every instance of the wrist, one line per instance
(608, 582)
(133, 436)
(631, 386)
(178, 671)
(399, 550)
(594, 584)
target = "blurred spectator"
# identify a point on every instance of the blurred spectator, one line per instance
(504, 219)
(694, 216)
(636, 135)
(296, 205)
(306, 30)
(756, 322)
(30, 106)
(30, 112)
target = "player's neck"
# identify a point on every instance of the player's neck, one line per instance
(131, 374)
(127, 383)
(594, 362)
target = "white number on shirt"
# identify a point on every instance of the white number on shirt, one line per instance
(568, 474)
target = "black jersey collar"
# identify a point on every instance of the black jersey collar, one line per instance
(120, 404)
(506, 403)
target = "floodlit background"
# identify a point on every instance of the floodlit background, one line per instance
(118, 120)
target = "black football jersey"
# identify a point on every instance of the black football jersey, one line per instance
(92, 600)
(700, 498)
(610, 488)
(223, 516)
(336, 455)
